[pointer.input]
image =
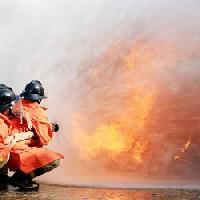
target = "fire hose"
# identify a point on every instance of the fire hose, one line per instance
(13, 139)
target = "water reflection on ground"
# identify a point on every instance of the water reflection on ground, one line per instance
(74, 193)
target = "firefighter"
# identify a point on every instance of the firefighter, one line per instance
(43, 129)
(7, 96)
(13, 139)
(20, 149)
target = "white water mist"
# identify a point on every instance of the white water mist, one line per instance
(61, 42)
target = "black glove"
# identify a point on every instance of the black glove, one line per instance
(55, 127)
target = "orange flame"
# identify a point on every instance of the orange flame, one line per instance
(105, 139)
(182, 150)
(123, 136)
(112, 140)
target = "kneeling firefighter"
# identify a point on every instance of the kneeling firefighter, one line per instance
(7, 97)
(13, 138)
(20, 149)
(42, 160)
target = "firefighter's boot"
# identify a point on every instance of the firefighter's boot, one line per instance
(23, 182)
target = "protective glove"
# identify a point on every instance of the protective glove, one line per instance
(55, 127)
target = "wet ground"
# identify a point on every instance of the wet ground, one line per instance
(48, 192)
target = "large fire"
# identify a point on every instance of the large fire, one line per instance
(122, 124)
(121, 136)
(106, 139)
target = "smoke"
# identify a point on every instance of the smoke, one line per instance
(94, 58)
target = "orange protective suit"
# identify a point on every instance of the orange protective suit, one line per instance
(4, 149)
(29, 155)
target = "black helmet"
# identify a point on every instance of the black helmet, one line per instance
(7, 96)
(4, 86)
(34, 91)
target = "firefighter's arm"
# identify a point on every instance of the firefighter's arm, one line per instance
(54, 126)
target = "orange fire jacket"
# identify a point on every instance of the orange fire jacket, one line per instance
(4, 133)
(29, 155)
(40, 122)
